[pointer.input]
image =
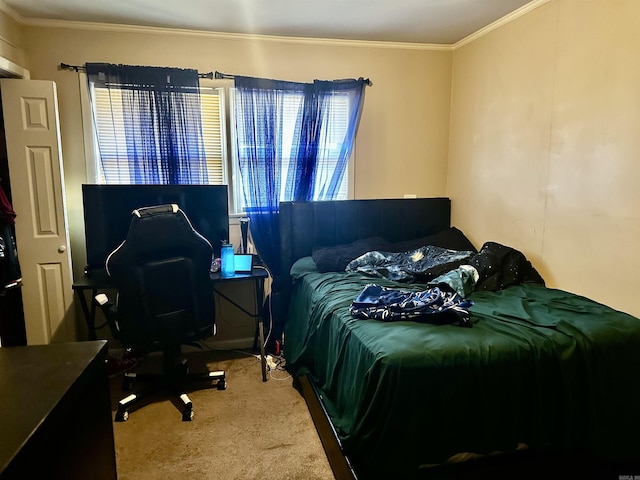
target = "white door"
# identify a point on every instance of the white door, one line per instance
(30, 110)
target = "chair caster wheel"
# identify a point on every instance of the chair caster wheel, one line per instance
(122, 416)
(222, 384)
(187, 416)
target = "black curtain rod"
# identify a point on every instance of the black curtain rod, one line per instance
(210, 75)
(219, 76)
(80, 68)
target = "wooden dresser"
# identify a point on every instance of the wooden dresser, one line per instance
(56, 406)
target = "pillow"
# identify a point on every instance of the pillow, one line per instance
(451, 238)
(336, 258)
(302, 266)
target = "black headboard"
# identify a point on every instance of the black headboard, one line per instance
(304, 225)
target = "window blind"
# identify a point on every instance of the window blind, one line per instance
(109, 125)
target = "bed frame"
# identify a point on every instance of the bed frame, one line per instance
(305, 225)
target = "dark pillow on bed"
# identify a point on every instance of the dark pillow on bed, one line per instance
(336, 258)
(451, 238)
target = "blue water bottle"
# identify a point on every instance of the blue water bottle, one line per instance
(227, 259)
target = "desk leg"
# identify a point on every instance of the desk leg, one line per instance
(260, 324)
(257, 314)
(89, 316)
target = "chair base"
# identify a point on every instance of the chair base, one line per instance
(173, 380)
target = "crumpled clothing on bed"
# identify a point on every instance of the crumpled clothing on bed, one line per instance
(462, 280)
(421, 264)
(499, 266)
(434, 305)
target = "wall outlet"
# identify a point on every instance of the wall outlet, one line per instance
(410, 195)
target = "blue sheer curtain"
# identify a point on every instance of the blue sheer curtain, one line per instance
(313, 145)
(161, 116)
(260, 108)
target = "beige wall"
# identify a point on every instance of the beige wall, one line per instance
(403, 128)
(530, 129)
(11, 40)
(545, 136)
(404, 124)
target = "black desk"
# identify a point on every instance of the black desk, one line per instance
(98, 280)
(57, 422)
(258, 276)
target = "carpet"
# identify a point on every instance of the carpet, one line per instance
(251, 430)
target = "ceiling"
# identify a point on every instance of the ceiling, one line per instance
(413, 21)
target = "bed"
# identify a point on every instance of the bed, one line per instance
(537, 370)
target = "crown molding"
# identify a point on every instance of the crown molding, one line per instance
(15, 16)
(510, 17)
(110, 27)
(11, 12)
(164, 31)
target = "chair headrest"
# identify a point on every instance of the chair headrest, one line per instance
(159, 232)
(155, 210)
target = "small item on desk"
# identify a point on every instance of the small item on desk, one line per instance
(242, 263)
(215, 265)
(227, 259)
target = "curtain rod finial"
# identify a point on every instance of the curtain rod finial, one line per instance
(66, 66)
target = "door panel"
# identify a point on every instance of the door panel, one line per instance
(36, 175)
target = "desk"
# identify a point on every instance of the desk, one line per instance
(57, 422)
(258, 276)
(98, 280)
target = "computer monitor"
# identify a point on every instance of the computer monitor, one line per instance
(108, 208)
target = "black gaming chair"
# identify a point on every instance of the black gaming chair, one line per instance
(165, 300)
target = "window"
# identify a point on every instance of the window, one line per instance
(332, 140)
(111, 130)
(109, 126)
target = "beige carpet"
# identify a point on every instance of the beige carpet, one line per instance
(251, 430)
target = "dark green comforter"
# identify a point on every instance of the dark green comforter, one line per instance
(540, 366)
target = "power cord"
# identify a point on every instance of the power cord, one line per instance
(270, 276)
(277, 364)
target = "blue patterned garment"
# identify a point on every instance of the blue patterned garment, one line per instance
(421, 264)
(433, 305)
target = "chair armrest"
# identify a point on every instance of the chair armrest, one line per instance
(102, 299)
(110, 312)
